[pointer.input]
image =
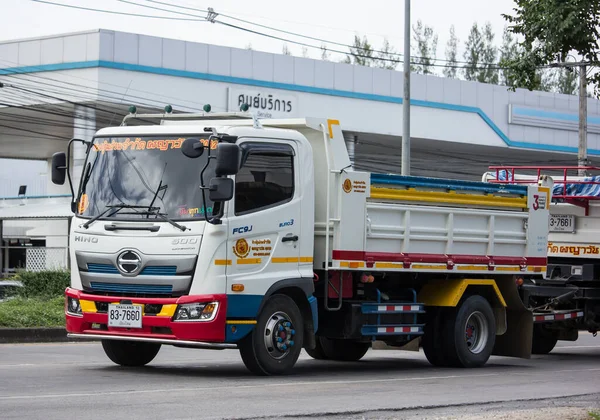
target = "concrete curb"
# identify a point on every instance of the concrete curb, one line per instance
(33, 335)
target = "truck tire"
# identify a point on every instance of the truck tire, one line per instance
(273, 347)
(543, 340)
(317, 353)
(130, 353)
(468, 337)
(432, 336)
(343, 350)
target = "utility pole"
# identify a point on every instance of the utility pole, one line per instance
(582, 151)
(405, 170)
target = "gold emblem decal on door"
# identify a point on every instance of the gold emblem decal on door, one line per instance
(241, 248)
(347, 185)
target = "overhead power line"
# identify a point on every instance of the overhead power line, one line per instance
(324, 41)
(115, 12)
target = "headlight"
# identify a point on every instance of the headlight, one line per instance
(196, 311)
(73, 306)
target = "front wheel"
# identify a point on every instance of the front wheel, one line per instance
(273, 347)
(130, 353)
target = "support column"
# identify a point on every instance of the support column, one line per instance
(1, 249)
(350, 140)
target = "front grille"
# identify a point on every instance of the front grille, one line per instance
(148, 289)
(166, 270)
(156, 270)
(102, 268)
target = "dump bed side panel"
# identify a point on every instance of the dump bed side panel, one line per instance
(420, 224)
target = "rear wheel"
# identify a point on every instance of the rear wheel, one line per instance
(469, 337)
(343, 350)
(543, 341)
(317, 353)
(432, 336)
(130, 353)
(274, 345)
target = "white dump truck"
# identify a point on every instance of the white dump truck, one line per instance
(222, 231)
(567, 299)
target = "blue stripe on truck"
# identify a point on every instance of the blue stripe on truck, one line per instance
(455, 185)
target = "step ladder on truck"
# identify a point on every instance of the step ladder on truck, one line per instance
(222, 231)
(567, 299)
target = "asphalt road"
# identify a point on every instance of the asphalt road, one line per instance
(76, 380)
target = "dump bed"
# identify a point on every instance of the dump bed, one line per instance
(389, 222)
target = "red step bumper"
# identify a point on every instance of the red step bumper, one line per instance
(161, 327)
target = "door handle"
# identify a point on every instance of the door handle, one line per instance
(289, 238)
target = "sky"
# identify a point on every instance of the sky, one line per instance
(335, 21)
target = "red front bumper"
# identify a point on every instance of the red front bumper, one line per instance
(94, 321)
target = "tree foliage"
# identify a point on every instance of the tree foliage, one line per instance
(387, 57)
(567, 81)
(481, 55)
(425, 48)
(551, 31)
(451, 54)
(361, 52)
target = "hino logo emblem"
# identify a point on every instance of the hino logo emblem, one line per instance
(87, 238)
(129, 262)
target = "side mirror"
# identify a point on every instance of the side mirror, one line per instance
(220, 189)
(229, 156)
(192, 148)
(59, 168)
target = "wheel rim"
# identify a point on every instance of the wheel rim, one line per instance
(476, 332)
(279, 335)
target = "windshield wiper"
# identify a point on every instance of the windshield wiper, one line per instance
(152, 211)
(118, 207)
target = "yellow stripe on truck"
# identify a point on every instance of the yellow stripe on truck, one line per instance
(447, 197)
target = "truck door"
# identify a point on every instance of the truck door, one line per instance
(263, 243)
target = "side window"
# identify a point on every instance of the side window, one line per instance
(266, 179)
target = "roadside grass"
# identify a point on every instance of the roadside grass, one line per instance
(38, 312)
(594, 415)
(39, 303)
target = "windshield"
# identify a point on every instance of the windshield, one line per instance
(151, 174)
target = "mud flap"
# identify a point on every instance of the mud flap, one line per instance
(516, 341)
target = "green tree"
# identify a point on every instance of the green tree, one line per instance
(567, 81)
(480, 55)
(451, 54)
(473, 52)
(425, 48)
(361, 52)
(324, 53)
(508, 52)
(387, 57)
(551, 30)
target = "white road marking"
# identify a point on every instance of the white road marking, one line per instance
(265, 385)
(282, 384)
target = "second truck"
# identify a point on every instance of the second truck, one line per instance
(222, 231)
